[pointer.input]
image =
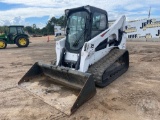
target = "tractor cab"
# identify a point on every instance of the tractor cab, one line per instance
(14, 31)
(83, 24)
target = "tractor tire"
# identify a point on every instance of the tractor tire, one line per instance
(22, 41)
(3, 44)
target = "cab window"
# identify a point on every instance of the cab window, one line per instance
(13, 30)
(99, 23)
(19, 30)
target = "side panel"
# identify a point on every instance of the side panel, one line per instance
(59, 46)
(4, 37)
(88, 54)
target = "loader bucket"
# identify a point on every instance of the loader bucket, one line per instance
(62, 88)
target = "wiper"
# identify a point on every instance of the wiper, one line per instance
(75, 44)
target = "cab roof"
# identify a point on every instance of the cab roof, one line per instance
(16, 26)
(88, 8)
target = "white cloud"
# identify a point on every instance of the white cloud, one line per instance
(20, 14)
(40, 8)
(134, 7)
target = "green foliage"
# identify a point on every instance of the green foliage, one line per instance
(3, 29)
(52, 22)
(47, 30)
(29, 29)
(61, 21)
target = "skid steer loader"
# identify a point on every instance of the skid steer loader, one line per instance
(90, 55)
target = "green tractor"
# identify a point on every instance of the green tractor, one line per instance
(15, 35)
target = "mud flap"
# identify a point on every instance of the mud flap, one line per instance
(65, 89)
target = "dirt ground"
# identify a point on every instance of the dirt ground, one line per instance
(133, 96)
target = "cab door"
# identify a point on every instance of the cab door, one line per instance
(12, 34)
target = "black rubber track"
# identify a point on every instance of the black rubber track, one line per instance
(110, 67)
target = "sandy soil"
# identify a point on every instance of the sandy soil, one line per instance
(134, 96)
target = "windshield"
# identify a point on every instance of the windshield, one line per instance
(76, 30)
(13, 30)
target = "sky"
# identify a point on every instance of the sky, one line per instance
(29, 12)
